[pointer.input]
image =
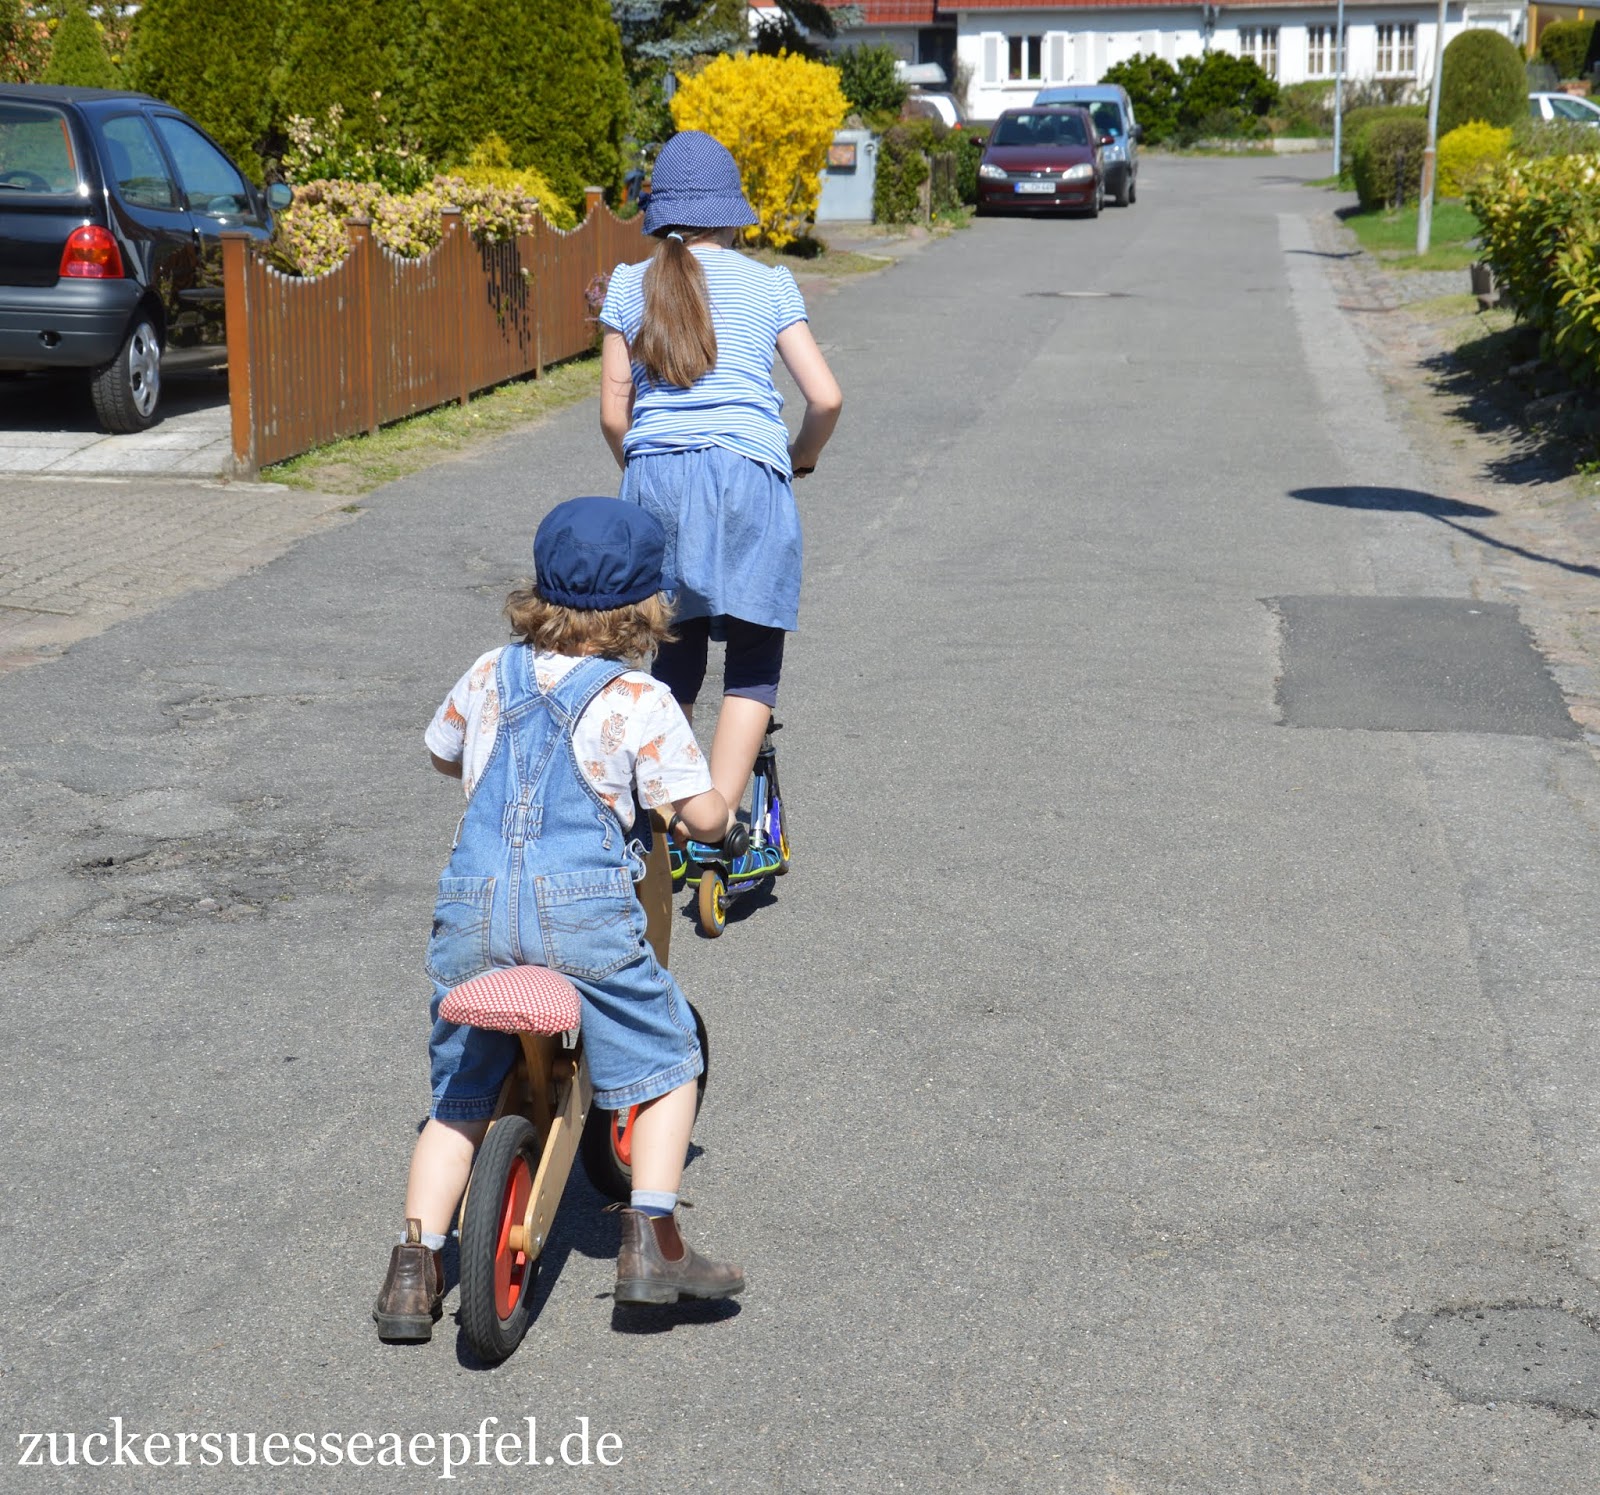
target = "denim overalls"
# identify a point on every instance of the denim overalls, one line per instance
(542, 873)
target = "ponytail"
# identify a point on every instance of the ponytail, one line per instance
(677, 342)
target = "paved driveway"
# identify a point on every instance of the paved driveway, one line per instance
(49, 426)
(1141, 1083)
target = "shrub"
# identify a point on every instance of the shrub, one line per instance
(551, 86)
(1535, 138)
(24, 43)
(1541, 234)
(78, 55)
(351, 55)
(1565, 46)
(1387, 163)
(869, 79)
(902, 169)
(1153, 86)
(1220, 85)
(310, 236)
(489, 165)
(331, 149)
(1358, 121)
(777, 115)
(205, 57)
(1483, 79)
(1466, 152)
(1305, 109)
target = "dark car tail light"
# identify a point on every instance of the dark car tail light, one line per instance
(91, 254)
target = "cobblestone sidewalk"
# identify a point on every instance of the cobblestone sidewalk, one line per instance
(1536, 543)
(81, 555)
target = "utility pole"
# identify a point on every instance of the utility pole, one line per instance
(1338, 93)
(1425, 197)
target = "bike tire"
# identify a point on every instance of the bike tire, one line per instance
(496, 1282)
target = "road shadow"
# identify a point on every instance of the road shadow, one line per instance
(61, 402)
(1447, 511)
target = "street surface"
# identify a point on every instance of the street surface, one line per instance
(1170, 1065)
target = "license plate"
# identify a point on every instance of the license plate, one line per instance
(1041, 187)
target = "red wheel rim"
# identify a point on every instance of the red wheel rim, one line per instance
(622, 1134)
(511, 1267)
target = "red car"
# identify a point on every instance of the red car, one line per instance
(1047, 156)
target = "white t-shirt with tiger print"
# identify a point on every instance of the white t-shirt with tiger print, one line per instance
(632, 738)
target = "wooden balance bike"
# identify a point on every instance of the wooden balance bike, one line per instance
(544, 1118)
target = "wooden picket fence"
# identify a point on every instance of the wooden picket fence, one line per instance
(381, 337)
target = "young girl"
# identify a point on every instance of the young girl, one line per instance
(688, 407)
(552, 737)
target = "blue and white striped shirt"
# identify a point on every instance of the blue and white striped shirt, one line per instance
(735, 404)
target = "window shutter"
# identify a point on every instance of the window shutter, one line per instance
(1055, 57)
(992, 42)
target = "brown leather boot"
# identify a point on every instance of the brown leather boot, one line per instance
(413, 1291)
(656, 1264)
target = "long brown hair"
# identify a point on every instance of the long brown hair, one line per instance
(677, 342)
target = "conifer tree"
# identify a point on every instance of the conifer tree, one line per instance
(208, 57)
(78, 56)
(357, 54)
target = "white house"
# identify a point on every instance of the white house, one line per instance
(1015, 47)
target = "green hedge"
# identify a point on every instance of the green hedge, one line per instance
(1485, 78)
(1541, 234)
(1357, 122)
(1387, 164)
(1565, 46)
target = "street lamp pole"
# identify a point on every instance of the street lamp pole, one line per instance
(1425, 196)
(1338, 93)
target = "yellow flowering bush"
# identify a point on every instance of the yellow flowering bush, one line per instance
(1467, 152)
(777, 116)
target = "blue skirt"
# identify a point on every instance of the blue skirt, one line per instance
(733, 533)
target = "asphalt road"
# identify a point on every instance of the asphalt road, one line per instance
(1130, 1090)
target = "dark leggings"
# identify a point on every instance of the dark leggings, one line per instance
(751, 668)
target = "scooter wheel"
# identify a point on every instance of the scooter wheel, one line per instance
(781, 838)
(713, 904)
(496, 1281)
(607, 1143)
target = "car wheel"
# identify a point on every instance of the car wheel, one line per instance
(1133, 188)
(128, 389)
(1124, 194)
(1099, 201)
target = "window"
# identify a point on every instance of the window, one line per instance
(209, 180)
(136, 164)
(1260, 45)
(1025, 58)
(1397, 48)
(1322, 54)
(36, 152)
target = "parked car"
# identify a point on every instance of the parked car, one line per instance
(927, 104)
(112, 210)
(1120, 133)
(1042, 157)
(1563, 106)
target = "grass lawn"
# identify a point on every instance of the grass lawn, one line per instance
(1392, 237)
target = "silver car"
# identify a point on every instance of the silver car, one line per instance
(1120, 133)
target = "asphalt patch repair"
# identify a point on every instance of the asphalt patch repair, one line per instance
(1414, 664)
(1511, 1353)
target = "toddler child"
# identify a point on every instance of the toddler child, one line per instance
(553, 737)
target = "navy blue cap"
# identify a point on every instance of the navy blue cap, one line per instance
(598, 553)
(695, 184)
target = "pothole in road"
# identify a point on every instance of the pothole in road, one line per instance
(1511, 1353)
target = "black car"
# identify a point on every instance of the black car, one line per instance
(112, 210)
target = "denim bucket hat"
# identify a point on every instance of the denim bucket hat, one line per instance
(598, 553)
(695, 184)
